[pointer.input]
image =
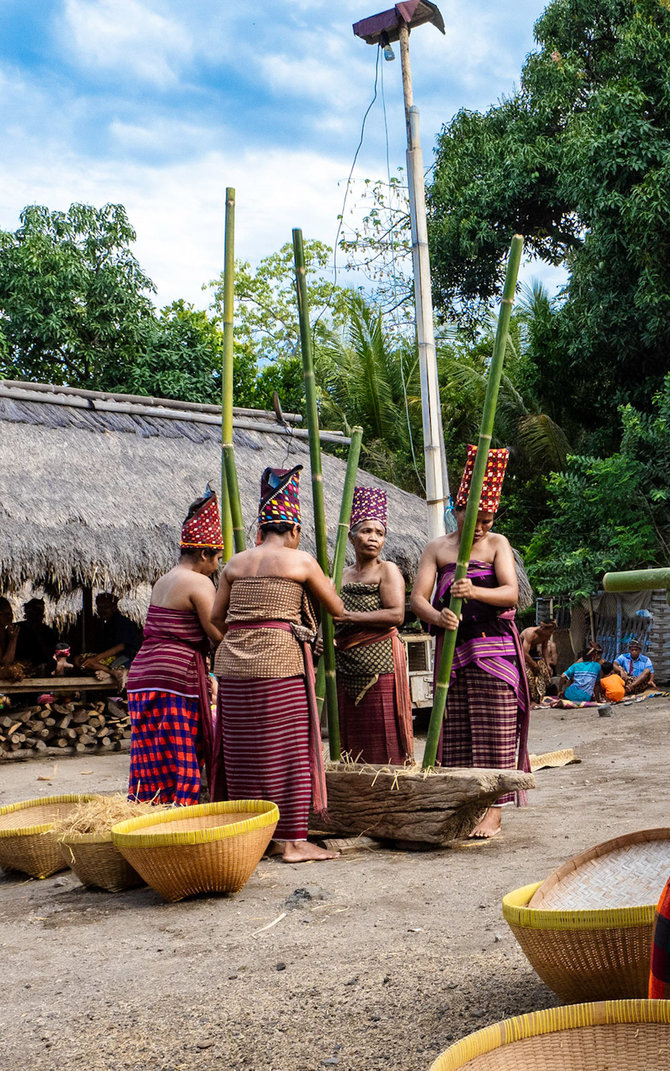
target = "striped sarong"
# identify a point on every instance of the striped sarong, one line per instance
(164, 765)
(659, 975)
(481, 724)
(266, 747)
(488, 703)
(377, 727)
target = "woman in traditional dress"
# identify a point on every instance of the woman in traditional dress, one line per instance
(372, 684)
(267, 705)
(488, 702)
(168, 693)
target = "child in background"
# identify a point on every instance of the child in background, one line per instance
(611, 684)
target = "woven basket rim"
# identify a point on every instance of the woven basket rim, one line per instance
(42, 827)
(517, 912)
(263, 813)
(606, 847)
(548, 1021)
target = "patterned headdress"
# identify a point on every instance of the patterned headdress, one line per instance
(280, 496)
(203, 529)
(369, 504)
(493, 479)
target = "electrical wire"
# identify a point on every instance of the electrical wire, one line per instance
(353, 164)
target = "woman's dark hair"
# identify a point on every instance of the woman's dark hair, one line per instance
(592, 649)
(280, 528)
(607, 668)
(194, 552)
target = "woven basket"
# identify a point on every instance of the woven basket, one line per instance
(628, 871)
(97, 862)
(27, 841)
(601, 955)
(616, 1035)
(212, 847)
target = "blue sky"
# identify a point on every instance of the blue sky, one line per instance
(160, 105)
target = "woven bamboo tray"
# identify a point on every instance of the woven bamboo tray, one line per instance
(601, 955)
(97, 862)
(628, 871)
(27, 842)
(212, 847)
(617, 1035)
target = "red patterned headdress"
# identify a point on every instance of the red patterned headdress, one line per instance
(202, 530)
(493, 479)
(279, 496)
(369, 504)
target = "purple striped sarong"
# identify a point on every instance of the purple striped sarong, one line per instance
(488, 703)
(266, 747)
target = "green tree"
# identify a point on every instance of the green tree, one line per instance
(74, 302)
(266, 310)
(608, 513)
(577, 161)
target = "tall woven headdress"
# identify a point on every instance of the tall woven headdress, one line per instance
(203, 528)
(493, 479)
(280, 501)
(369, 504)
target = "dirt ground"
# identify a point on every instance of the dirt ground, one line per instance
(389, 958)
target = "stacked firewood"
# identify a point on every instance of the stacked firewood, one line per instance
(73, 726)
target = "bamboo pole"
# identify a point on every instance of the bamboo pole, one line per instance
(472, 508)
(231, 509)
(341, 541)
(327, 627)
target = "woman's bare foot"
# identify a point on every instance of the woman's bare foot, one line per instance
(302, 851)
(489, 826)
(275, 847)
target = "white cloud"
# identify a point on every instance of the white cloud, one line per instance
(127, 37)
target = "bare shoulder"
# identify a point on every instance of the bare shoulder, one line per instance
(500, 542)
(390, 571)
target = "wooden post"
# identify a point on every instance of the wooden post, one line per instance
(472, 508)
(341, 541)
(231, 509)
(327, 628)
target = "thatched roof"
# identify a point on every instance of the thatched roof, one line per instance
(94, 487)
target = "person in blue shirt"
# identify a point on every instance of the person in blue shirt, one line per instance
(579, 682)
(636, 669)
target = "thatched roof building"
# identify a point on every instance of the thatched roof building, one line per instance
(94, 487)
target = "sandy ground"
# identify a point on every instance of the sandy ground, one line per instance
(389, 958)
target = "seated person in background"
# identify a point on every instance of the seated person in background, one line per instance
(635, 668)
(119, 638)
(36, 641)
(611, 684)
(580, 681)
(535, 643)
(9, 632)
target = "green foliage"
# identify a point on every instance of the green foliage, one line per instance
(266, 311)
(578, 162)
(74, 302)
(608, 513)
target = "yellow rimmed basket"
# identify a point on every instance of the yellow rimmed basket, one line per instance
(613, 1035)
(97, 862)
(602, 954)
(27, 840)
(209, 848)
(587, 929)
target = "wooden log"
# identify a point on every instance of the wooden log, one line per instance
(387, 802)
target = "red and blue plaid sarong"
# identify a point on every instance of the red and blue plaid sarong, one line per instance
(659, 976)
(164, 766)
